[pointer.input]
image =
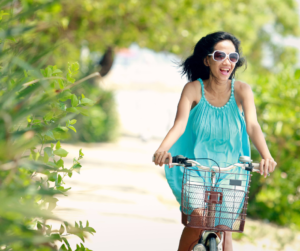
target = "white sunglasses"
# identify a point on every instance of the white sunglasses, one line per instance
(221, 56)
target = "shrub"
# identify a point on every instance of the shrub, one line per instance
(277, 198)
(102, 122)
(37, 112)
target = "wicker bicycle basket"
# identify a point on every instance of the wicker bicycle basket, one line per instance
(222, 207)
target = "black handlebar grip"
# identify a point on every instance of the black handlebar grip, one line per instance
(249, 167)
(175, 159)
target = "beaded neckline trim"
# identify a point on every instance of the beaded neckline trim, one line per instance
(216, 107)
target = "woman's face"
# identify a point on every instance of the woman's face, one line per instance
(221, 69)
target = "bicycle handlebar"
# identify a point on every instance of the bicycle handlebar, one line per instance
(180, 160)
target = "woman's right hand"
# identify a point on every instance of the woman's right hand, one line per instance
(161, 156)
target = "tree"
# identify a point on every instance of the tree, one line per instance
(173, 26)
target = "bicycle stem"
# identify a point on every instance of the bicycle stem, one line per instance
(211, 206)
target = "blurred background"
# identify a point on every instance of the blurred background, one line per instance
(136, 46)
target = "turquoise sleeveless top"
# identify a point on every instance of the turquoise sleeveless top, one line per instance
(217, 133)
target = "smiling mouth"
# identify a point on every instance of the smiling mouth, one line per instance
(225, 71)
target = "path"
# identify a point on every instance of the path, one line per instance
(127, 200)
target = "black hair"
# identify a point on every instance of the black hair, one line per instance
(194, 67)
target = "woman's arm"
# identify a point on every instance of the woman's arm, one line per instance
(267, 164)
(188, 96)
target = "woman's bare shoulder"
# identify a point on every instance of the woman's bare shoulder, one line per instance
(242, 89)
(193, 90)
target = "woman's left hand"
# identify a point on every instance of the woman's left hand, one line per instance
(267, 166)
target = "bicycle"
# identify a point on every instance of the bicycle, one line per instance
(204, 204)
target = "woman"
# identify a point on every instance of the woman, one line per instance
(215, 116)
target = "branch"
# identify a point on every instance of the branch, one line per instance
(37, 80)
(95, 74)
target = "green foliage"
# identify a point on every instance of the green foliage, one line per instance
(277, 198)
(44, 111)
(101, 124)
(164, 25)
(37, 112)
(160, 25)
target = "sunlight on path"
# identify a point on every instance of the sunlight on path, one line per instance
(129, 203)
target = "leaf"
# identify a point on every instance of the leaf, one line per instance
(75, 66)
(60, 163)
(43, 72)
(64, 96)
(83, 111)
(57, 145)
(39, 226)
(77, 165)
(73, 121)
(63, 248)
(52, 176)
(60, 83)
(52, 164)
(72, 109)
(46, 157)
(90, 230)
(37, 155)
(57, 71)
(56, 237)
(50, 135)
(70, 174)
(48, 72)
(81, 153)
(69, 78)
(62, 128)
(62, 189)
(88, 102)
(49, 152)
(61, 152)
(67, 243)
(72, 128)
(74, 100)
(59, 179)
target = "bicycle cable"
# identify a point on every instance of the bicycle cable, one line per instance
(210, 167)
